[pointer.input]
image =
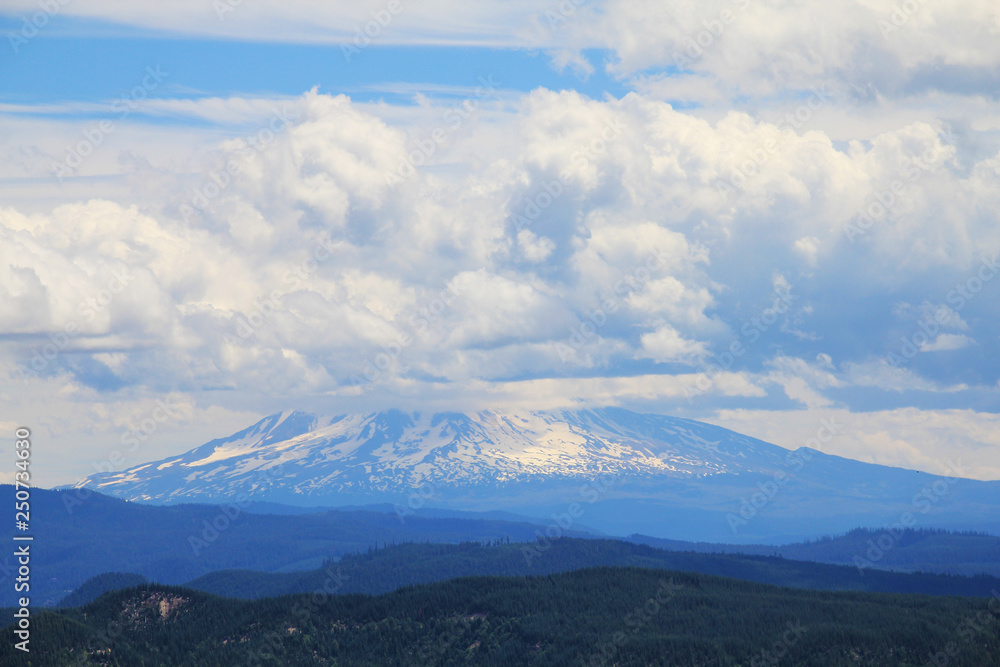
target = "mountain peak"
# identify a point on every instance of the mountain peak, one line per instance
(392, 452)
(636, 472)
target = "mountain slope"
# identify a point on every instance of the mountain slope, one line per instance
(393, 452)
(97, 586)
(611, 469)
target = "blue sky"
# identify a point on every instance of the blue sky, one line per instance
(761, 215)
(75, 60)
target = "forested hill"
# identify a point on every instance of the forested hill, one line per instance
(81, 535)
(603, 616)
(384, 570)
(927, 550)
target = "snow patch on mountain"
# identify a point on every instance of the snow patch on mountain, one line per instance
(394, 452)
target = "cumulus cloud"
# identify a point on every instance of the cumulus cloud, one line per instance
(550, 245)
(666, 344)
(649, 219)
(729, 48)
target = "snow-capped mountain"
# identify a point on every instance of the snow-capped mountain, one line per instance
(314, 458)
(625, 471)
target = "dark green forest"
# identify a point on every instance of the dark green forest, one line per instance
(600, 616)
(97, 586)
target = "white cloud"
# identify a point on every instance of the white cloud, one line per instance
(804, 381)
(439, 22)
(947, 342)
(868, 50)
(735, 47)
(930, 440)
(882, 375)
(751, 46)
(308, 268)
(666, 344)
(808, 247)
